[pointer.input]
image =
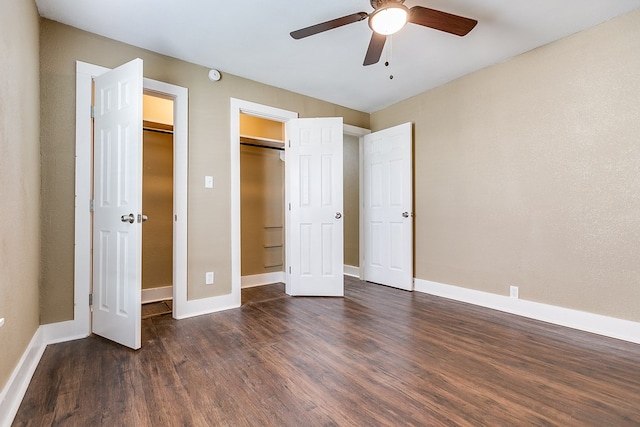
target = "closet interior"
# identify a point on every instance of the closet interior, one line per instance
(157, 199)
(261, 195)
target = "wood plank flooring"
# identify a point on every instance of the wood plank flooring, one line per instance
(378, 357)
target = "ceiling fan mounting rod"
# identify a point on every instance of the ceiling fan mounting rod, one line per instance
(380, 3)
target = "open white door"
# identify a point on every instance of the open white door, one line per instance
(388, 206)
(117, 218)
(314, 249)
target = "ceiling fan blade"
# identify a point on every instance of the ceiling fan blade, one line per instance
(443, 21)
(375, 48)
(329, 25)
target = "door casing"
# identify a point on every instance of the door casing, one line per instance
(238, 107)
(81, 324)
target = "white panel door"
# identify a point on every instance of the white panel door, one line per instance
(388, 206)
(117, 225)
(314, 192)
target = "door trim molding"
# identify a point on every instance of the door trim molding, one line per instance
(279, 115)
(80, 326)
(360, 133)
(239, 106)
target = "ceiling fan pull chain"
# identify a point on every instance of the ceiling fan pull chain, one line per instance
(389, 50)
(389, 54)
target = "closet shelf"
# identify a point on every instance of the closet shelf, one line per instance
(273, 265)
(272, 226)
(272, 246)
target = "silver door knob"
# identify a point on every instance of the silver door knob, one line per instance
(405, 214)
(128, 218)
(338, 215)
(142, 218)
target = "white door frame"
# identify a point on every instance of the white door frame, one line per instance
(238, 107)
(360, 133)
(81, 324)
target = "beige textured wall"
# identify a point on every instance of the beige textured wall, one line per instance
(261, 206)
(351, 195)
(19, 181)
(208, 235)
(157, 204)
(528, 174)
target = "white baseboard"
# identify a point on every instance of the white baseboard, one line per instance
(13, 392)
(595, 323)
(16, 387)
(350, 270)
(200, 307)
(54, 333)
(157, 294)
(262, 279)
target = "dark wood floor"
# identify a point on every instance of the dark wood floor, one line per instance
(378, 357)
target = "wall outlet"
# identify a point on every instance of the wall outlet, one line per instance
(208, 278)
(513, 291)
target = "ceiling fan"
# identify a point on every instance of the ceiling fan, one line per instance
(389, 17)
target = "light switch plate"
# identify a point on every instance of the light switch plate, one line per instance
(208, 278)
(208, 181)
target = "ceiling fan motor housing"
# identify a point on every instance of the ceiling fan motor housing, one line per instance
(380, 3)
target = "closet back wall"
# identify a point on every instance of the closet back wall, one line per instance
(261, 205)
(157, 204)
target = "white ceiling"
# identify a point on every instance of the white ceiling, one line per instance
(250, 38)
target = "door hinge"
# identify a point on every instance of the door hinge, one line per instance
(289, 269)
(91, 206)
(93, 111)
(90, 299)
(289, 206)
(289, 143)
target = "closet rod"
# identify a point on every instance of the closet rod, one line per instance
(157, 130)
(261, 146)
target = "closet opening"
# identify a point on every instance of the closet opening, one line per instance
(157, 205)
(262, 233)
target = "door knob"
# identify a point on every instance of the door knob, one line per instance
(405, 214)
(338, 215)
(128, 218)
(142, 218)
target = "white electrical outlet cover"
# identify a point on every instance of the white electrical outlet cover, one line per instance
(513, 291)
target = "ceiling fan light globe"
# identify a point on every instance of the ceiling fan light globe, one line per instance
(389, 19)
